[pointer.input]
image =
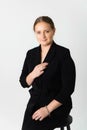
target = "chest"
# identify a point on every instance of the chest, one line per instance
(53, 69)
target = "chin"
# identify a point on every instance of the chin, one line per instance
(45, 43)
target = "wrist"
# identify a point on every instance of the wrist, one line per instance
(29, 78)
(49, 108)
(53, 105)
(32, 75)
(49, 113)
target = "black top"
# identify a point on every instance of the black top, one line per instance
(57, 82)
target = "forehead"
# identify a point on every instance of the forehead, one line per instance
(42, 25)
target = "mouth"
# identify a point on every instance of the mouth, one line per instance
(44, 40)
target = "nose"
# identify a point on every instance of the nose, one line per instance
(43, 35)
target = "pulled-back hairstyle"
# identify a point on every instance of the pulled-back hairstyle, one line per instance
(44, 19)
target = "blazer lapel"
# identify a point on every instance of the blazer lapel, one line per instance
(51, 53)
(36, 57)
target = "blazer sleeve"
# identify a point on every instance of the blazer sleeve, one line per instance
(68, 75)
(25, 71)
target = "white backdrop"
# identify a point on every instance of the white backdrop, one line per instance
(16, 37)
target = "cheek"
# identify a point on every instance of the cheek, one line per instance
(38, 37)
(50, 36)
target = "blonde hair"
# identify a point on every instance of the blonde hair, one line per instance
(44, 19)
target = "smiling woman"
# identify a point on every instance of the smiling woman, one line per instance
(44, 31)
(50, 69)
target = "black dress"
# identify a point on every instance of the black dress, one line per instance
(57, 82)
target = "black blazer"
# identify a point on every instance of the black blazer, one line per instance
(58, 80)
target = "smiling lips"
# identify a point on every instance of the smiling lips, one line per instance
(44, 40)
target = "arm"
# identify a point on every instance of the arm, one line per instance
(29, 79)
(27, 76)
(68, 83)
(68, 75)
(25, 72)
(54, 104)
(37, 71)
(45, 111)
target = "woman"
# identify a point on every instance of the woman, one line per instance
(50, 70)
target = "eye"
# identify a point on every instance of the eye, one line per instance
(38, 32)
(47, 31)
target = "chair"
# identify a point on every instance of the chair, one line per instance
(66, 124)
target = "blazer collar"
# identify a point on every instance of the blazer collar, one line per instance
(50, 54)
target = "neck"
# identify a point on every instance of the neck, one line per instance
(46, 47)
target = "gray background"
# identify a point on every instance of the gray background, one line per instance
(16, 37)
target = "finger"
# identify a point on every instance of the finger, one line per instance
(37, 118)
(35, 115)
(44, 64)
(41, 72)
(42, 67)
(40, 119)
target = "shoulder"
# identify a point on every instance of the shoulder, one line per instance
(61, 50)
(33, 51)
(65, 57)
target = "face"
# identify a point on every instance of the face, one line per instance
(44, 33)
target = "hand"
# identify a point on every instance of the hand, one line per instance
(40, 114)
(39, 69)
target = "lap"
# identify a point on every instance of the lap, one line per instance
(31, 124)
(48, 123)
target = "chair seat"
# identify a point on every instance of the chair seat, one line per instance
(66, 123)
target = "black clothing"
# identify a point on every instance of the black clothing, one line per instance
(57, 82)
